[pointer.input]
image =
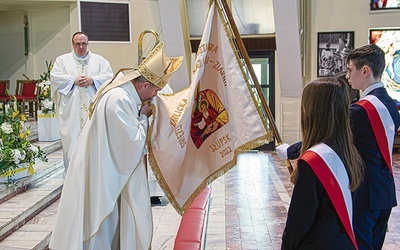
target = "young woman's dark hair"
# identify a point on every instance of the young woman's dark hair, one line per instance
(325, 119)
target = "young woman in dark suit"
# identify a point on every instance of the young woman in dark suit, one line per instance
(329, 168)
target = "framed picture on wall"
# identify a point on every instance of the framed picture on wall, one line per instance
(105, 21)
(384, 4)
(333, 49)
(389, 40)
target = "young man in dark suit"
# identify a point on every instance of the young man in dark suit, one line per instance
(375, 120)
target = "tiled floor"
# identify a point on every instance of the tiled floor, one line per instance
(248, 207)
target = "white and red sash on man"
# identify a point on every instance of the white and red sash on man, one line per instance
(384, 134)
(329, 169)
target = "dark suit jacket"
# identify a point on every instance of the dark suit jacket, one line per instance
(377, 191)
(312, 221)
(293, 151)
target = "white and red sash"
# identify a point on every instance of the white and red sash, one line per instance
(330, 170)
(384, 134)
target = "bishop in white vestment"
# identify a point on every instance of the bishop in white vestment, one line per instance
(105, 200)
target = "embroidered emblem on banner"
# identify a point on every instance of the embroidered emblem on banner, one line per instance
(208, 115)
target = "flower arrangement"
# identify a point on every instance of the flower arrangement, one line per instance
(44, 94)
(15, 148)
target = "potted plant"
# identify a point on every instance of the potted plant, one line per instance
(48, 125)
(17, 154)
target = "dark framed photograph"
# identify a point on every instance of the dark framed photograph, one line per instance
(389, 40)
(105, 21)
(385, 4)
(333, 49)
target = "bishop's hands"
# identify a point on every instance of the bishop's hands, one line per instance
(281, 151)
(83, 81)
(146, 109)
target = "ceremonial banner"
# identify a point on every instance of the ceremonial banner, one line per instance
(197, 133)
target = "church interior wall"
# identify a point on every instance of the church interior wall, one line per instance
(50, 32)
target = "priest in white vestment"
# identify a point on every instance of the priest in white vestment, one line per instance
(105, 199)
(75, 78)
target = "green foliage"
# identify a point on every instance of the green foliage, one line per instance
(15, 148)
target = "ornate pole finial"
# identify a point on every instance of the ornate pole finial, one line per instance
(26, 24)
(140, 47)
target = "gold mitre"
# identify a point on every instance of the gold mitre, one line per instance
(157, 67)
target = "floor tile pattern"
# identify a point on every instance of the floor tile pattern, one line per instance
(247, 209)
(257, 196)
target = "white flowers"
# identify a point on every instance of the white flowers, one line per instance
(34, 150)
(48, 104)
(44, 96)
(7, 128)
(44, 85)
(18, 155)
(6, 108)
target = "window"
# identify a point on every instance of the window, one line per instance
(252, 17)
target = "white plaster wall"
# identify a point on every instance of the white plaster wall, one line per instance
(144, 15)
(45, 45)
(327, 16)
(176, 37)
